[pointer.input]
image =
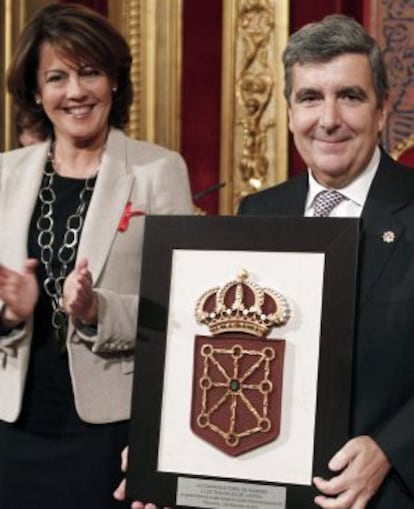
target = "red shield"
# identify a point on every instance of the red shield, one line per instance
(237, 391)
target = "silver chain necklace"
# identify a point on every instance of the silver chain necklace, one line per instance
(53, 283)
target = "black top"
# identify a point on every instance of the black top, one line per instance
(48, 403)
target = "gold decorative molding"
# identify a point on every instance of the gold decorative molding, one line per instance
(254, 114)
(402, 146)
(153, 29)
(13, 15)
(127, 16)
(6, 107)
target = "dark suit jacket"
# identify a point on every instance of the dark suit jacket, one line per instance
(383, 378)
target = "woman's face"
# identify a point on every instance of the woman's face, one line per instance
(77, 99)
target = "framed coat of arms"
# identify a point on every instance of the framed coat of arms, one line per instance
(237, 372)
(243, 359)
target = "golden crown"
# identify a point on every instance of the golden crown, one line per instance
(242, 306)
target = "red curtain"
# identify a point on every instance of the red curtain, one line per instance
(201, 96)
(99, 5)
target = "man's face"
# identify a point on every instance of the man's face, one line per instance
(334, 117)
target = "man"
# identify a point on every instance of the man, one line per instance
(337, 93)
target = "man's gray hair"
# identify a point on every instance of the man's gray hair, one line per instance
(331, 37)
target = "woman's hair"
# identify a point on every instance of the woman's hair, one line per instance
(78, 34)
(335, 35)
(24, 124)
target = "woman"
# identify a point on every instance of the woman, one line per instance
(72, 218)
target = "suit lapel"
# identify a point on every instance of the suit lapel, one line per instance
(296, 196)
(26, 171)
(381, 227)
(112, 189)
(289, 202)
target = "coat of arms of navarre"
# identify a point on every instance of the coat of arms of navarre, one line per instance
(238, 373)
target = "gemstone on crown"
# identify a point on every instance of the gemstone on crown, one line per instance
(242, 306)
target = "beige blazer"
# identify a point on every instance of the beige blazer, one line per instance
(155, 181)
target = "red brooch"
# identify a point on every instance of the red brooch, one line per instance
(126, 216)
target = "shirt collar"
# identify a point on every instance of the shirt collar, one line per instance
(356, 190)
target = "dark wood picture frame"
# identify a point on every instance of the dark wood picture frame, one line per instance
(337, 239)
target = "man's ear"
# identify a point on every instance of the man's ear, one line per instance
(385, 109)
(290, 121)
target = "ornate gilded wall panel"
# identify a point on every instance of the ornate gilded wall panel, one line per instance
(13, 15)
(153, 30)
(392, 24)
(254, 116)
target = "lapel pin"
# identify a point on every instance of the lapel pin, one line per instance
(388, 237)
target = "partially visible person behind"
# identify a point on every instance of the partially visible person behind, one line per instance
(27, 133)
(337, 94)
(72, 214)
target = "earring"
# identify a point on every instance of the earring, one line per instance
(114, 90)
(38, 100)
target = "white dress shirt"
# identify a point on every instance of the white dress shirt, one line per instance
(356, 191)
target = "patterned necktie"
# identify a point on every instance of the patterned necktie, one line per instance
(325, 202)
